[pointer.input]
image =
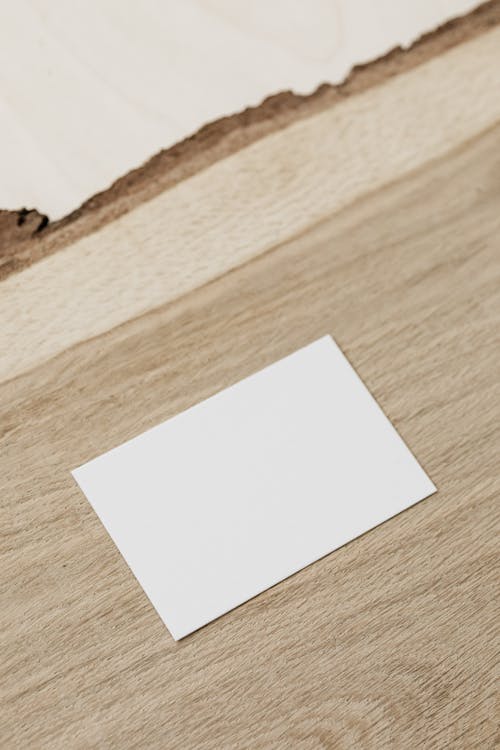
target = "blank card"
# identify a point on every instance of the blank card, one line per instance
(228, 498)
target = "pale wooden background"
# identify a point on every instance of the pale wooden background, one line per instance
(91, 89)
(390, 642)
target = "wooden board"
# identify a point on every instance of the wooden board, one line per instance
(26, 236)
(92, 89)
(374, 218)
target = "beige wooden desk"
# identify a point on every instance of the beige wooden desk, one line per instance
(372, 214)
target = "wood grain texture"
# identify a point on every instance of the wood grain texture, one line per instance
(92, 89)
(389, 642)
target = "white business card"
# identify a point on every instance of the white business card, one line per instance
(233, 495)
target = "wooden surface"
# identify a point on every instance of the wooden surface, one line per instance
(378, 222)
(92, 89)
